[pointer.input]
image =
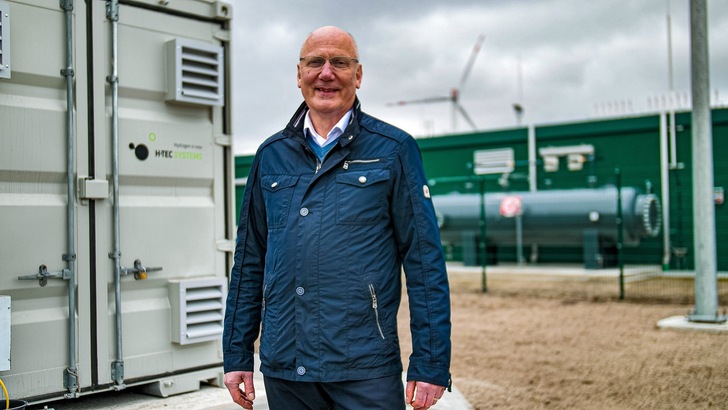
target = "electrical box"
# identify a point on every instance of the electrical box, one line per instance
(198, 309)
(4, 333)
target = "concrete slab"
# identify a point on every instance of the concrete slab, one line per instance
(682, 323)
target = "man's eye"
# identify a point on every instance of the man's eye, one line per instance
(316, 62)
(340, 62)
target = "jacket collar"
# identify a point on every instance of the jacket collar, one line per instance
(294, 129)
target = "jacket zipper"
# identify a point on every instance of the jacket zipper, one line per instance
(359, 161)
(263, 304)
(375, 306)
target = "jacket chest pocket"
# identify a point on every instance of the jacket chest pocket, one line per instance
(277, 195)
(362, 196)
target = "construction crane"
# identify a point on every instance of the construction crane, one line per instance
(454, 96)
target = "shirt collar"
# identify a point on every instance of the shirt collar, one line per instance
(333, 134)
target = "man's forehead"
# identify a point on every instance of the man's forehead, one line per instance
(329, 42)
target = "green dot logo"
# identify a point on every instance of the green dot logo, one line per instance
(152, 137)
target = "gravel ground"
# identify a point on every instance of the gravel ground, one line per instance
(562, 352)
(545, 347)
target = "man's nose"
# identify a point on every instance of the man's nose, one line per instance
(327, 71)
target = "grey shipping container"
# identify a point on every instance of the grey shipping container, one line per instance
(116, 201)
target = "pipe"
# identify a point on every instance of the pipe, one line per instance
(70, 379)
(567, 212)
(532, 178)
(673, 141)
(112, 13)
(665, 183)
(673, 149)
(532, 165)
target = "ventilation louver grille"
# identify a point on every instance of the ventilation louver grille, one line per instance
(4, 40)
(195, 72)
(494, 161)
(198, 308)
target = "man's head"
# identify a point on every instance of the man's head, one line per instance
(329, 89)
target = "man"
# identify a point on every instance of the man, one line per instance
(335, 205)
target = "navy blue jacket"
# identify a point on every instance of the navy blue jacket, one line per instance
(319, 257)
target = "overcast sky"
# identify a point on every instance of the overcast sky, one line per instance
(562, 60)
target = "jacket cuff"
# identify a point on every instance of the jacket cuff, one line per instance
(233, 362)
(429, 374)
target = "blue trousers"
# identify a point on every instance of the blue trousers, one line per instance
(385, 393)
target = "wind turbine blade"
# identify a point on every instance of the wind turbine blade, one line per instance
(471, 61)
(422, 101)
(466, 116)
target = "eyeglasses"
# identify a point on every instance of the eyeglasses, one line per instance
(338, 63)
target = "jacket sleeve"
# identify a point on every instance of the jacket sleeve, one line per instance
(244, 301)
(419, 244)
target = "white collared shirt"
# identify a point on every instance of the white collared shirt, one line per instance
(333, 134)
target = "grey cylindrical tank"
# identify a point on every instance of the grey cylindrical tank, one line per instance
(554, 217)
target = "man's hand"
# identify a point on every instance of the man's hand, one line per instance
(423, 395)
(244, 398)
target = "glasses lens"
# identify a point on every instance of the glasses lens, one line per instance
(314, 62)
(339, 63)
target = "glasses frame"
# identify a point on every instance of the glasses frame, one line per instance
(348, 60)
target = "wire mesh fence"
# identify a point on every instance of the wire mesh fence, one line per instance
(583, 239)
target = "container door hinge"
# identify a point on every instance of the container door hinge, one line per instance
(70, 382)
(66, 5)
(43, 275)
(223, 139)
(112, 10)
(117, 374)
(225, 245)
(222, 35)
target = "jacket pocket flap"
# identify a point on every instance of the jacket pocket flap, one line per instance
(276, 182)
(363, 178)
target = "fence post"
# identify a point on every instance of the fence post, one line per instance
(481, 240)
(620, 232)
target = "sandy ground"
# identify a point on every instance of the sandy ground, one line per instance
(512, 351)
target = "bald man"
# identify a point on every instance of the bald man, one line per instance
(335, 206)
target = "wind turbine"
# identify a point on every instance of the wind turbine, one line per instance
(454, 96)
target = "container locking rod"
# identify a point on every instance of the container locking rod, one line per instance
(43, 275)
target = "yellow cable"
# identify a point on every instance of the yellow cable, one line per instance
(5, 392)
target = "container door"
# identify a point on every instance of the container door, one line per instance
(34, 157)
(175, 195)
